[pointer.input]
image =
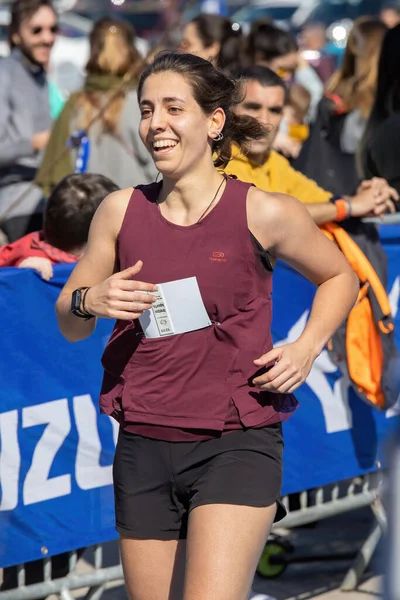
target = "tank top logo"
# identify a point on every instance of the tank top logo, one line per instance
(218, 257)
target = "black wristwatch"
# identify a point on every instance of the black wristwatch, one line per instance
(78, 304)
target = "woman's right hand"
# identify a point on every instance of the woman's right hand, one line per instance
(120, 296)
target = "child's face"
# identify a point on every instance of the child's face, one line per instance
(292, 116)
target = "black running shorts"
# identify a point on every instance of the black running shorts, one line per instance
(157, 483)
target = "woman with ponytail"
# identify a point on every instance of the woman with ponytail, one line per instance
(184, 265)
(103, 116)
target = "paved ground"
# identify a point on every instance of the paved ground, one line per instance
(307, 580)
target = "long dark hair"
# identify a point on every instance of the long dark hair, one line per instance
(266, 42)
(215, 28)
(212, 89)
(387, 95)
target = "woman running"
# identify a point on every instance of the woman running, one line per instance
(198, 464)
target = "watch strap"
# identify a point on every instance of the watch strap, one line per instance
(84, 309)
(77, 303)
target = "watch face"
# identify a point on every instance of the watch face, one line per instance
(76, 304)
(76, 300)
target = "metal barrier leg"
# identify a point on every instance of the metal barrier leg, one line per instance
(380, 514)
(354, 574)
(95, 593)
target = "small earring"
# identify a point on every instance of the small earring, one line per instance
(219, 136)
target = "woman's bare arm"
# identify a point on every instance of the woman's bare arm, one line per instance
(111, 295)
(286, 229)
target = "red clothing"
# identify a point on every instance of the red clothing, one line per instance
(33, 244)
(197, 380)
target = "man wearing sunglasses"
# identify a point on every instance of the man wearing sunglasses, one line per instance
(25, 117)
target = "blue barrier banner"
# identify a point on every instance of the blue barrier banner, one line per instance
(56, 450)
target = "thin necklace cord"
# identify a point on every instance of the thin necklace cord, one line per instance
(208, 207)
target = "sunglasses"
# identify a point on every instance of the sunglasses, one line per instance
(39, 29)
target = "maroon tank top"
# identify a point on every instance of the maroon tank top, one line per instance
(196, 381)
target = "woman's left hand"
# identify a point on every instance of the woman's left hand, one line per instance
(289, 366)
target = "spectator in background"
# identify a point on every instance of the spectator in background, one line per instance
(277, 49)
(390, 14)
(68, 214)
(329, 155)
(25, 118)
(265, 98)
(111, 143)
(214, 38)
(380, 147)
(315, 50)
(294, 124)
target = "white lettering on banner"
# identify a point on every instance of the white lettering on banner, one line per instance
(89, 473)
(394, 297)
(38, 486)
(394, 411)
(333, 401)
(10, 460)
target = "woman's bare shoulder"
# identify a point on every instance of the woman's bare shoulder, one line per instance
(273, 205)
(120, 198)
(117, 201)
(272, 215)
(111, 211)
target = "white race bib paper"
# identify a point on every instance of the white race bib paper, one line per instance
(179, 308)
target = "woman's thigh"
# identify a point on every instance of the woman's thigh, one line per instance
(224, 545)
(153, 569)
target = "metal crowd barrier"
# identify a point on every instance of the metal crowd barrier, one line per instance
(96, 581)
(315, 505)
(330, 501)
(389, 219)
(392, 579)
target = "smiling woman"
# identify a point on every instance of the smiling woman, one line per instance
(190, 372)
(215, 95)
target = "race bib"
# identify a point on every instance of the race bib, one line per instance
(179, 308)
